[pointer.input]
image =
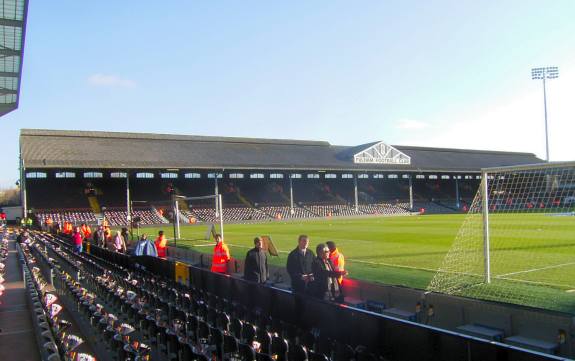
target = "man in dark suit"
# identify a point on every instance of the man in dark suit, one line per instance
(256, 263)
(299, 265)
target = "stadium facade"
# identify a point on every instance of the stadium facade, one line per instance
(268, 171)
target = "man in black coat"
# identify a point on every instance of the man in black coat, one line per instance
(256, 264)
(299, 265)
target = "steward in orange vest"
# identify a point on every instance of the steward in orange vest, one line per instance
(161, 243)
(337, 260)
(221, 256)
(68, 228)
(86, 231)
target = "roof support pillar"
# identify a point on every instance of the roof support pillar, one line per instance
(128, 203)
(291, 195)
(355, 192)
(216, 193)
(410, 193)
(23, 197)
(456, 192)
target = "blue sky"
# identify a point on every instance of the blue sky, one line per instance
(431, 73)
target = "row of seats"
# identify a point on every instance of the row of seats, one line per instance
(238, 214)
(150, 216)
(286, 212)
(385, 208)
(185, 323)
(77, 216)
(333, 210)
(147, 216)
(46, 310)
(231, 214)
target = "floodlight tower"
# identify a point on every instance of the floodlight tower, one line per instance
(550, 72)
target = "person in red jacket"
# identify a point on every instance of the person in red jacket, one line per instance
(221, 256)
(77, 239)
(161, 244)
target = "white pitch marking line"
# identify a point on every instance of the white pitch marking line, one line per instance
(536, 269)
(534, 282)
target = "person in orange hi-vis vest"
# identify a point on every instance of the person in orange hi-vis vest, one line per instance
(86, 231)
(161, 244)
(221, 256)
(336, 258)
(68, 228)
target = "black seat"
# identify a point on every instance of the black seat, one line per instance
(279, 348)
(223, 322)
(263, 357)
(314, 356)
(247, 352)
(308, 339)
(230, 345)
(248, 333)
(203, 332)
(236, 328)
(297, 353)
(217, 339)
(265, 340)
(343, 352)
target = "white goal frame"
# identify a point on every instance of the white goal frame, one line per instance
(219, 210)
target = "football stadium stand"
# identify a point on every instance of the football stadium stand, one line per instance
(258, 179)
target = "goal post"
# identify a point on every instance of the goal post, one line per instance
(517, 242)
(218, 206)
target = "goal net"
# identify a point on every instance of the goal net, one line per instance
(517, 242)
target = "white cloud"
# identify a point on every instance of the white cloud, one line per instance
(411, 124)
(112, 81)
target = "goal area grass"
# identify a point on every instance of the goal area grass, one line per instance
(530, 266)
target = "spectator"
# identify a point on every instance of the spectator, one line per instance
(119, 244)
(221, 256)
(325, 284)
(86, 231)
(299, 265)
(337, 259)
(77, 240)
(126, 236)
(25, 238)
(256, 264)
(161, 244)
(48, 223)
(145, 247)
(99, 237)
(19, 236)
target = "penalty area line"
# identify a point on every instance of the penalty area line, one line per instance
(536, 269)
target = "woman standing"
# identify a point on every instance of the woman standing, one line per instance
(325, 284)
(119, 244)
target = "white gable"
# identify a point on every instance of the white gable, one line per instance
(381, 153)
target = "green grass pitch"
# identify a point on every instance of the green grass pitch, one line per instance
(408, 250)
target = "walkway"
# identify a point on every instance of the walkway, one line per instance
(17, 339)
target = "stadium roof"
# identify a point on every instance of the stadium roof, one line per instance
(56, 149)
(13, 15)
